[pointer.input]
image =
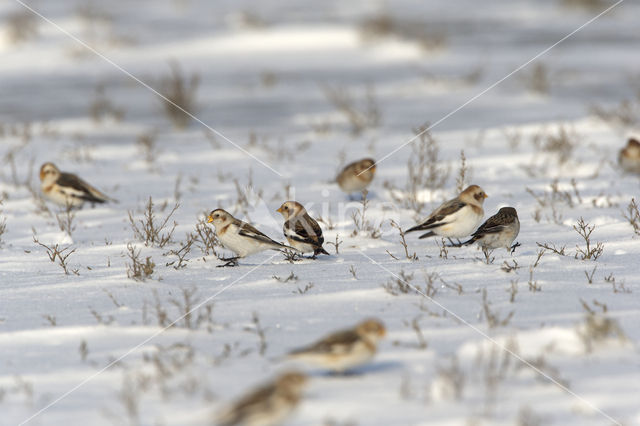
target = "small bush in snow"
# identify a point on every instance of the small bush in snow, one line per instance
(137, 269)
(150, 230)
(589, 252)
(61, 254)
(633, 216)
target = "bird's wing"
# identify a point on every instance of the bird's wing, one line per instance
(305, 230)
(496, 223)
(247, 404)
(440, 216)
(73, 186)
(247, 230)
(336, 342)
(76, 187)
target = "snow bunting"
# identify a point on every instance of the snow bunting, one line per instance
(240, 237)
(67, 189)
(269, 404)
(357, 176)
(343, 350)
(629, 157)
(301, 230)
(498, 231)
(456, 218)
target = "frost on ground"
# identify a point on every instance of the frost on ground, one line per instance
(547, 335)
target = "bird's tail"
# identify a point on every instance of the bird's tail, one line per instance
(92, 198)
(320, 250)
(469, 241)
(426, 235)
(99, 196)
(281, 247)
(415, 228)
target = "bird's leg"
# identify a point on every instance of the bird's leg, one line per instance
(513, 247)
(230, 261)
(487, 255)
(452, 244)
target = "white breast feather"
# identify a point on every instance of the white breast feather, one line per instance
(460, 224)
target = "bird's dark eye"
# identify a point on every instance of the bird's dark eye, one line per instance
(286, 207)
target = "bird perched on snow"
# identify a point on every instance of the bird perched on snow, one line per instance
(268, 405)
(301, 230)
(629, 157)
(357, 176)
(67, 189)
(240, 237)
(455, 218)
(344, 350)
(498, 231)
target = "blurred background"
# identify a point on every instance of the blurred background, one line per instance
(283, 67)
(304, 87)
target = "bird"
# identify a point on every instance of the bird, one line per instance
(456, 218)
(67, 189)
(267, 405)
(343, 350)
(498, 231)
(240, 237)
(357, 176)
(302, 231)
(629, 156)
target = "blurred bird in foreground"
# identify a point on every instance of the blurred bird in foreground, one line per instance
(67, 189)
(343, 350)
(301, 230)
(629, 157)
(240, 237)
(357, 176)
(498, 231)
(456, 218)
(268, 405)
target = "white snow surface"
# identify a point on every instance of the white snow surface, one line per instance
(525, 357)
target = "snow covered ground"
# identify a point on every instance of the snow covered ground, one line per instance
(302, 88)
